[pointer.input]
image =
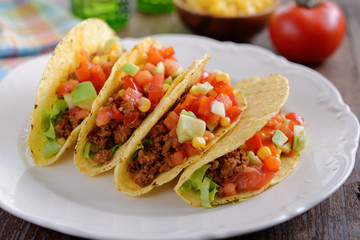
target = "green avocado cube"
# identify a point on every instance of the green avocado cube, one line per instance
(299, 143)
(279, 138)
(130, 68)
(254, 160)
(83, 93)
(189, 127)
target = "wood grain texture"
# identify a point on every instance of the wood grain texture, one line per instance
(337, 217)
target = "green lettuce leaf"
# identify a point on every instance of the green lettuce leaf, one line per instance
(50, 148)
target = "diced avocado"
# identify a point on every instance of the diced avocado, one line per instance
(188, 113)
(169, 80)
(218, 108)
(286, 148)
(279, 138)
(189, 127)
(299, 143)
(160, 68)
(50, 148)
(109, 43)
(84, 94)
(202, 88)
(68, 100)
(254, 160)
(130, 68)
(298, 129)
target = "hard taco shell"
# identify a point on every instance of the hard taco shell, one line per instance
(89, 35)
(265, 98)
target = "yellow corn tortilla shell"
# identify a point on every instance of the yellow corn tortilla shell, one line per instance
(265, 98)
(89, 35)
(123, 180)
(137, 56)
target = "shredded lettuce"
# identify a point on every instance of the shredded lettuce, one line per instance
(145, 141)
(203, 185)
(90, 150)
(50, 148)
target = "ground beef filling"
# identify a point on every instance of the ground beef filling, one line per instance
(154, 158)
(66, 124)
(106, 136)
(227, 166)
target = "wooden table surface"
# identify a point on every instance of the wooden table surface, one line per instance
(337, 217)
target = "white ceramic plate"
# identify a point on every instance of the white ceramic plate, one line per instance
(61, 198)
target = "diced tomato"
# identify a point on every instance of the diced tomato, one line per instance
(266, 134)
(251, 178)
(225, 100)
(190, 150)
(172, 133)
(116, 114)
(272, 123)
(298, 120)
(143, 77)
(66, 87)
(208, 136)
(177, 157)
(233, 99)
(233, 113)
(254, 143)
(211, 119)
(271, 163)
(154, 55)
(190, 99)
(291, 125)
(156, 91)
(131, 118)
(212, 78)
(205, 106)
(229, 189)
(79, 113)
(131, 95)
(167, 51)
(203, 77)
(104, 116)
(130, 83)
(223, 87)
(178, 109)
(171, 120)
(286, 130)
(171, 67)
(148, 66)
(195, 108)
(279, 117)
(97, 78)
(82, 73)
(272, 148)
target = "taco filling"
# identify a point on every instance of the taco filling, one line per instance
(76, 95)
(187, 129)
(251, 166)
(141, 91)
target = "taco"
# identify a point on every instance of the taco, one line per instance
(201, 113)
(71, 82)
(260, 151)
(147, 80)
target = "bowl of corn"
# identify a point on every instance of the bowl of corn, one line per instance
(233, 20)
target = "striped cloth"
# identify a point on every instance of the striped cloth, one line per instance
(30, 27)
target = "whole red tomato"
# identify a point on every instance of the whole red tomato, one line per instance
(307, 34)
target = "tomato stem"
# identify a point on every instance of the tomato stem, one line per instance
(308, 3)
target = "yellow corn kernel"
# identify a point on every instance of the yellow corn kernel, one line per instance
(198, 142)
(166, 87)
(96, 59)
(61, 141)
(116, 47)
(121, 92)
(263, 152)
(225, 121)
(224, 77)
(213, 93)
(144, 104)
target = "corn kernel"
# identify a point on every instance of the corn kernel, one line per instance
(213, 93)
(144, 104)
(121, 92)
(224, 77)
(61, 141)
(225, 121)
(166, 87)
(198, 142)
(96, 59)
(263, 152)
